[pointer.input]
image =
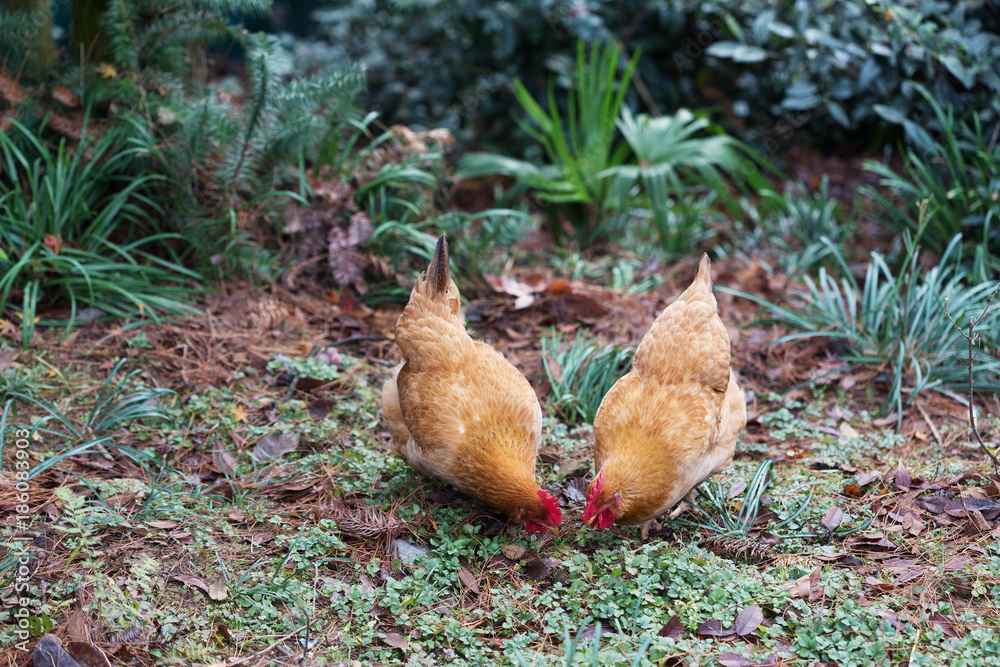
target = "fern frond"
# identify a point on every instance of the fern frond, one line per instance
(123, 47)
(183, 28)
(252, 8)
(320, 89)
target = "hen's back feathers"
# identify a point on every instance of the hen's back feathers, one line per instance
(672, 420)
(431, 331)
(687, 342)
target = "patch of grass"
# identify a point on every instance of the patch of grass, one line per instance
(75, 229)
(581, 372)
(281, 574)
(115, 408)
(896, 320)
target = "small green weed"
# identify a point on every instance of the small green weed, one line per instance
(114, 409)
(581, 372)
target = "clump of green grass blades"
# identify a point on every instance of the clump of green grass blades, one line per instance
(114, 409)
(958, 174)
(581, 373)
(897, 321)
(75, 227)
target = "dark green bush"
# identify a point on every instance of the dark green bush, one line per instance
(959, 178)
(802, 68)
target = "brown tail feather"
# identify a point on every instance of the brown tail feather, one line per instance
(438, 276)
(704, 277)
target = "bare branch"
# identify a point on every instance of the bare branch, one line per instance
(971, 337)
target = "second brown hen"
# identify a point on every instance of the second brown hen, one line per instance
(458, 411)
(672, 420)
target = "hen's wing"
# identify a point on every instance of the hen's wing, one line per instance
(732, 420)
(449, 412)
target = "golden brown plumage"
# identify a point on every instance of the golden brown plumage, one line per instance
(673, 419)
(458, 411)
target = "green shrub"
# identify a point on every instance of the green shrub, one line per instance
(960, 177)
(580, 148)
(896, 320)
(593, 174)
(793, 231)
(852, 61)
(674, 162)
(74, 229)
(808, 68)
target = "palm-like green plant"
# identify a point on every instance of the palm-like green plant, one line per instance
(580, 149)
(675, 159)
(74, 228)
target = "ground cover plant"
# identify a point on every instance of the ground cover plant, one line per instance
(200, 474)
(281, 513)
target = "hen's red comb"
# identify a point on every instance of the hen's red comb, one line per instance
(595, 492)
(553, 514)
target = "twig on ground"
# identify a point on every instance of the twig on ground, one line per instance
(971, 337)
(930, 425)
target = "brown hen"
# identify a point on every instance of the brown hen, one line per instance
(458, 411)
(672, 420)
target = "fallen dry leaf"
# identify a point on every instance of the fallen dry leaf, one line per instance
(848, 430)
(85, 654)
(947, 625)
(748, 620)
(8, 358)
(867, 478)
(809, 587)
(164, 525)
(731, 659)
(902, 477)
(514, 551)
(194, 582)
(218, 591)
(468, 580)
(523, 292)
(274, 445)
(536, 569)
(832, 518)
(673, 629)
(396, 641)
(713, 628)
(239, 414)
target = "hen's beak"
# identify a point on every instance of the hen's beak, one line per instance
(552, 529)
